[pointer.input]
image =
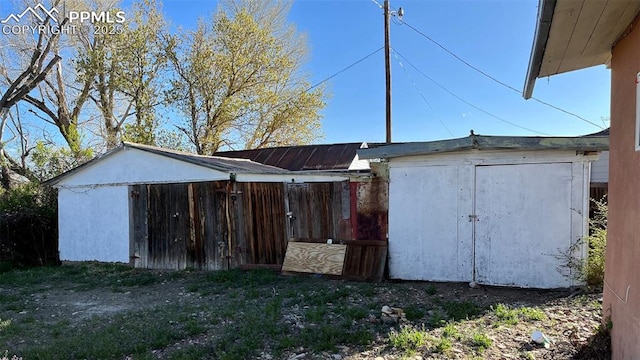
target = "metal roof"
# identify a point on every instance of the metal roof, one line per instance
(576, 34)
(306, 157)
(478, 142)
(220, 163)
(227, 165)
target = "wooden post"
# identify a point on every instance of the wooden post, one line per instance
(387, 53)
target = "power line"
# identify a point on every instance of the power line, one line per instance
(496, 80)
(343, 70)
(465, 101)
(328, 78)
(395, 54)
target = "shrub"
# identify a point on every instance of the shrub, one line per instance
(28, 226)
(593, 269)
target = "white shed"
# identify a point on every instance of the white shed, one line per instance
(95, 203)
(494, 210)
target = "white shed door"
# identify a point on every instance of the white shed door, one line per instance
(429, 225)
(524, 212)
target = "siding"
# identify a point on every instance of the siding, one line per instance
(94, 224)
(600, 169)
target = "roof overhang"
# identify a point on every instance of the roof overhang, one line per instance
(478, 142)
(576, 34)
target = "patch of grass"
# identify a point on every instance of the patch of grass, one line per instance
(532, 314)
(505, 314)
(316, 314)
(461, 310)
(431, 290)
(4, 324)
(451, 332)
(443, 346)
(437, 319)
(509, 316)
(328, 296)
(409, 339)
(132, 333)
(414, 312)
(481, 342)
(352, 312)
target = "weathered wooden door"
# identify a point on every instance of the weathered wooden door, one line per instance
(318, 210)
(524, 221)
(176, 226)
(430, 235)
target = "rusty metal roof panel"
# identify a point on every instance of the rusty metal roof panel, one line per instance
(300, 158)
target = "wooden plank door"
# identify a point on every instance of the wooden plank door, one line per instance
(524, 220)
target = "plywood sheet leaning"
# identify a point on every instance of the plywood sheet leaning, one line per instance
(314, 258)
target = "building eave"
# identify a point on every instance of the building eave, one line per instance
(485, 143)
(543, 26)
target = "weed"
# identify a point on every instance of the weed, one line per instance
(414, 312)
(451, 332)
(461, 310)
(316, 314)
(4, 324)
(431, 290)
(352, 312)
(508, 316)
(505, 314)
(437, 319)
(443, 346)
(532, 314)
(529, 356)
(409, 339)
(481, 342)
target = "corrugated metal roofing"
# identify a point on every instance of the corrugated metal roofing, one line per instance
(226, 164)
(305, 157)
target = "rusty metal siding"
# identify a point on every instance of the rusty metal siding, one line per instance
(370, 200)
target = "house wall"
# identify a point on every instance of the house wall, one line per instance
(621, 302)
(431, 235)
(600, 169)
(94, 224)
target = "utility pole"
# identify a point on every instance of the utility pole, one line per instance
(387, 65)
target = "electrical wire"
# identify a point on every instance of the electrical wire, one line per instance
(496, 80)
(328, 78)
(465, 101)
(420, 91)
(344, 69)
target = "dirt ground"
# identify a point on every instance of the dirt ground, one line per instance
(571, 318)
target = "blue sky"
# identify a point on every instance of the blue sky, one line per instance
(494, 36)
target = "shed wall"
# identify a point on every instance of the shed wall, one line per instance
(94, 224)
(621, 302)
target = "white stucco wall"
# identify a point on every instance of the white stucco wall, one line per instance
(432, 237)
(94, 224)
(600, 169)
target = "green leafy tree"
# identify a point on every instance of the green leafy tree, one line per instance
(125, 68)
(239, 82)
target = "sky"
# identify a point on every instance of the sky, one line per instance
(493, 36)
